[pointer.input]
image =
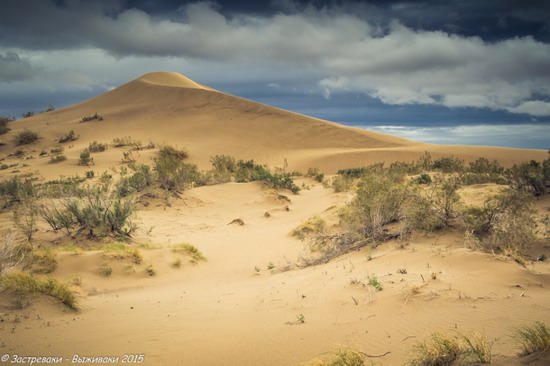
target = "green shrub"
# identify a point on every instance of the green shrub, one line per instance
(342, 183)
(142, 178)
(168, 151)
(223, 167)
(57, 159)
(172, 173)
(28, 114)
(44, 261)
(314, 173)
(95, 214)
(448, 165)
(70, 136)
(378, 202)
(528, 177)
(26, 137)
(423, 178)
(483, 165)
(16, 190)
(505, 222)
(85, 158)
(96, 147)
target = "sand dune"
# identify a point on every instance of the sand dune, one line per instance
(170, 108)
(249, 303)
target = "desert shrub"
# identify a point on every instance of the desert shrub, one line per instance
(57, 149)
(85, 158)
(94, 214)
(142, 178)
(26, 137)
(448, 165)
(64, 187)
(57, 159)
(24, 217)
(362, 171)
(92, 117)
(25, 284)
(483, 165)
(505, 222)
(168, 151)
(421, 212)
(341, 357)
(313, 225)
(379, 201)
(4, 166)
(4, 121)
(133, 144)
(12, 251)
(223, 167)
(70, 136)
(342, 183)
(533, 339)
(423, 178)
(90, 174)
(16, 190)
(172, 173)
(528, 177)
(315, 174)
(28, 114)
(95, 147)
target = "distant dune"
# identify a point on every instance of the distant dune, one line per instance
(166, 107)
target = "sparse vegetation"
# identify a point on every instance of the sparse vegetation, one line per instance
(12, 251)
(341, 357)
(85, 158)
(4, 121)
(312, 226)
(70, 136)
(92, 117)
(44, 261)
(505, 223)
(57, 159)
(23, 284)
(27, 114)
(191, 251)
(172, 173)
(105, 269)
(315, 174)
(533, 339)
(95, 147)
(26, 137)
(375, 283)
(444, 349)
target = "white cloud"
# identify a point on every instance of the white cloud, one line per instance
(533, 135)
(330, 49)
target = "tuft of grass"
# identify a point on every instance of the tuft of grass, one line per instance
(44, 261)
(341, 357)
(123, 251)
(533, 339)
(23, 284)
(439, 350)
(444, 349)
(191, 251)
(105, 269)
(311, 226)
(270, 266)
(176, 263)
(373, 281)
(151, 270)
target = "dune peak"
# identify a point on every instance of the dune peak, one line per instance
(173, 79)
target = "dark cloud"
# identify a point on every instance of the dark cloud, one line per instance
(14, 68)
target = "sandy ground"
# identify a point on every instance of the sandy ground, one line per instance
(242, 306)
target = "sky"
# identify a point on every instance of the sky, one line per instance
(469, 72)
